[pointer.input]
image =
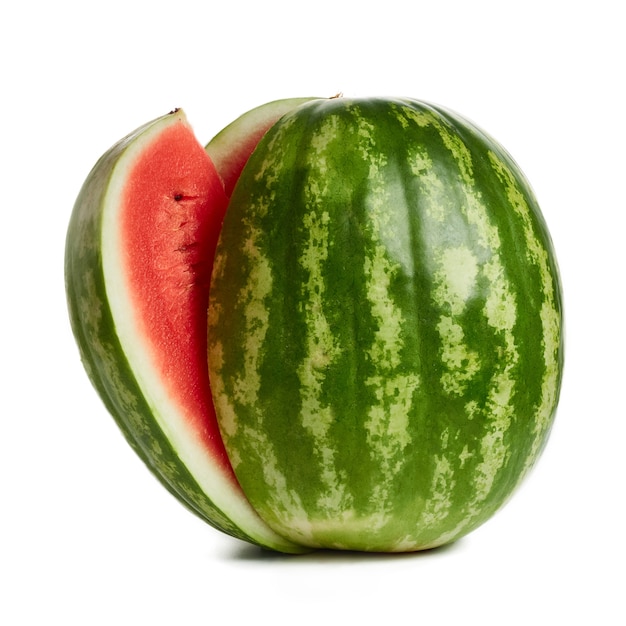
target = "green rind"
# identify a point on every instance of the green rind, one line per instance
(385, 326)
(104, 357)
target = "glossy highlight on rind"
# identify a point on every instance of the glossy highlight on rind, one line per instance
(385, 326)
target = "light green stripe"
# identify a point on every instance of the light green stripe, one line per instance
(252, 302)
(454, 285)
(321, 349)
(439, 504)
(245, 387)
(550, 315)
(289, 517)
(387, 422)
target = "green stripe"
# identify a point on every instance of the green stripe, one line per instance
(537, 244)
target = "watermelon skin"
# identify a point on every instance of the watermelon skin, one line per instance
(200, 478)
(385, 326)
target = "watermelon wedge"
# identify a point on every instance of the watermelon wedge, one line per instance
(139, 252)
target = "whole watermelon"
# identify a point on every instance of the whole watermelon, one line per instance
(384, 328)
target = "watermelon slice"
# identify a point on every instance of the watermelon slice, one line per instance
(139, 252)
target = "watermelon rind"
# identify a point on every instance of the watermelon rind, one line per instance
(115, 359)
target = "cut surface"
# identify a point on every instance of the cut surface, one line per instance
(168, 232)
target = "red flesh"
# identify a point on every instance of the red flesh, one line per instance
(173, 207)
(236, 161)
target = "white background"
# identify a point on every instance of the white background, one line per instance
(87, 536)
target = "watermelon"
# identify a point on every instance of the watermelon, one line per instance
(370, 357)
(138, 261)
(385, 321)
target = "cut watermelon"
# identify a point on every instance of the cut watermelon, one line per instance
(139, 252)
(385, 345)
